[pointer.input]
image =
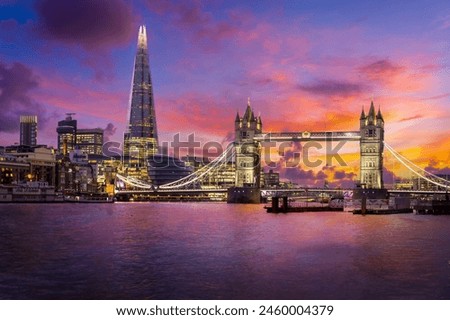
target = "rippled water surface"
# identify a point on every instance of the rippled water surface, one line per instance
(218, 251)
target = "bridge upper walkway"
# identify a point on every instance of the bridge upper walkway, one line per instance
(308, 136)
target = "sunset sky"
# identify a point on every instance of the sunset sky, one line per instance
(306, 65)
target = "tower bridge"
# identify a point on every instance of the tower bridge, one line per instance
(249, 135)
(246, 151)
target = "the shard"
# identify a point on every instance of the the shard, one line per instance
(140, 138)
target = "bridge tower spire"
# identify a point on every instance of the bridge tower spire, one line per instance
(371, 149)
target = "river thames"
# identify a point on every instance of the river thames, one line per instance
(218, 251)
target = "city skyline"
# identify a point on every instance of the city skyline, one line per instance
(319, 61)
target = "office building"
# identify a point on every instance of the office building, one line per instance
(28, 130)
(90, 141)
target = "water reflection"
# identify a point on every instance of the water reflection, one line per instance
(218, 251)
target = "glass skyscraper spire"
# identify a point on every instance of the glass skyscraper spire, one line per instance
(140, 138)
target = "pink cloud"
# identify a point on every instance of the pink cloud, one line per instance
(381, 70)
(82, 97)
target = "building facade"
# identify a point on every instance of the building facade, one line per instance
(222, 177)
(140, 138)
(164, 169)
(90, 141)
(76, 175)
(28, 130)
(13, 170)
(271, 179)
(41, 163)
(67, 134)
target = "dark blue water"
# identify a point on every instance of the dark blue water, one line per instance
(218, 251)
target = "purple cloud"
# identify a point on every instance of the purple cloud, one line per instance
(205, 30)
(389, 177)
(417, 116)
(109, 131)
(8, 30)
(341, 174)
(432, 167)
(93, 25)
(333, 88)
(16, 83)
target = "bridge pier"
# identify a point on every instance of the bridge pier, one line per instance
(244, 195)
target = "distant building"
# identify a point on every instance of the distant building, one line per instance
(41, 163)
(271, 179)
(419, 183)
(28, 130)
(423, 184)
(90, 141)
(80, 156)
(106, 174)
(225, 176)
(76, 175)
(12, 170)
(222, 177)
(404, 184)
(67, 133)
(164, 169)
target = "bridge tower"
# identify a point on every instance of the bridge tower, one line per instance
(248, 151)
(371, 149)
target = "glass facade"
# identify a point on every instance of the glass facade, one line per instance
(141, 138)
(164, 169)
(67, 132)
(90, 141)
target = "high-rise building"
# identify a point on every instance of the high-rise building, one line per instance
(28, 130)
(140, 138)
(90, 141)
(67, 133)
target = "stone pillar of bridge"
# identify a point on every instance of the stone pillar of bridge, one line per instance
(248, 151)
(371, 149)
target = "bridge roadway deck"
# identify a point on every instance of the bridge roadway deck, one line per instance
(179, 191)
(263, 191)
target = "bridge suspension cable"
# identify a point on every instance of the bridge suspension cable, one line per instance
(416, 166)
(188, 180)
(134, 182)
(199, 174)
(408, 164)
